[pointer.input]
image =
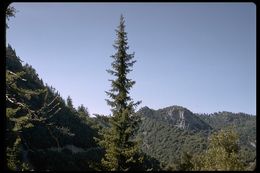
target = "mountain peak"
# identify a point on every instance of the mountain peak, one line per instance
(177, 116)
(144, 108)
(175, 108)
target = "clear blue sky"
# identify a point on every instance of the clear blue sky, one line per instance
(201, 56)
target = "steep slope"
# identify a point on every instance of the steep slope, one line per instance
(176, 116)
(168, 132)
(165, 137)
(40, 125)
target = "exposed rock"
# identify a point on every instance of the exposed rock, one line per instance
(176, 116)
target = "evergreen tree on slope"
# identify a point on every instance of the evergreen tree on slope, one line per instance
(121, 150)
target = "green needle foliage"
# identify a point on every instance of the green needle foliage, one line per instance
(121, 150)
(69, 102)
(10, 12)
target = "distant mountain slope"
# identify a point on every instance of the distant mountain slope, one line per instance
(222, 119)
(170, 131)
(166, 133)
(245, 125)
(177, 116)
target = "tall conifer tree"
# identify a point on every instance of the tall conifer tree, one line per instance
(69, 102)
(121, 150)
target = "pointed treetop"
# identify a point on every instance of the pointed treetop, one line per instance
(69, 102)
(122, 19)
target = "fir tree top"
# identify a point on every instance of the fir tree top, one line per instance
(121, 66)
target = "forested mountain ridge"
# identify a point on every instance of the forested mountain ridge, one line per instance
(170, 131)
(40, 125)
(244, 124)
(44, 132)
(177, 116)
